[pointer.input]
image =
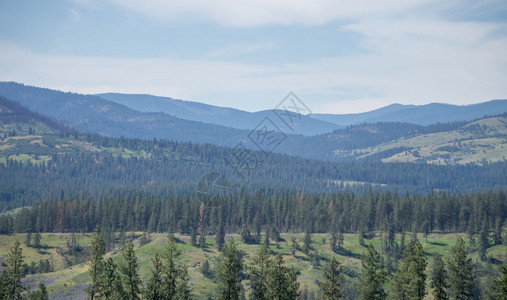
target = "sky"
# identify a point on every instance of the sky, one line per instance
(338, 56)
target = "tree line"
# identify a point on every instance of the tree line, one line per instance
(342, 212)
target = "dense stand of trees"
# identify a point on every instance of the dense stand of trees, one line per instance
(165, 168)
(250, 213)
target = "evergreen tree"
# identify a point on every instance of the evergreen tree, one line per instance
(110, 281)
(229, 272)
(4, 285)
(246, 236)
(460, 270)
(315, 259)
(373, 275)
(266, 239)
(333, 241)
(202, 241)
(144, 239)
(193, 237)
(274, 233)
(40, 294)
(182, 284)
(360, 238)
(205, 269)
(282, 282)
(175, 278)
(498, 232)
(402, 241)
(500, 285)
(129, 273)
(409, 281)
(439, 278)
(483, 242)
(331, 285)
(37, 241)
(340, 239)
(307, 242)
(97, 251)
(154, 289)
(220, 237)
(10, 280)
(28, 239)
(258, 273)
(294, 246)
(168, 280)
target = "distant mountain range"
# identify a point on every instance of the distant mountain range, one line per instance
(383, 134)
(315, 123)
(55, 161)
(88, 113)
(217, 115)
(420, 114)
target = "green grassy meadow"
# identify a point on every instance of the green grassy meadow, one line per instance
(69, 281)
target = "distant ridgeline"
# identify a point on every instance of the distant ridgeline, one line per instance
(41, 160)
(384, 134)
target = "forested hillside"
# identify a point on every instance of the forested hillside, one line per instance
(234, 118)
(59, 184)
(387, 141)
(42, 162)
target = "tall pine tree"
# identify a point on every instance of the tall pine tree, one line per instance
(110, 282)
(282, 281)
(371, 283)
(331, 285)
(10, 280)
(229, 272)
(97, 251)
(439, 278)
(410, 277)
(258, 273)
(129, 273)
(220, 237)
(500, 285)
(460, 269)
(154, 287)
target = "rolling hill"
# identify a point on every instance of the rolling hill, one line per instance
(380, 141)
(224, 116)
(478, 142)
(420, 114)
(315, 123)
(88, 113)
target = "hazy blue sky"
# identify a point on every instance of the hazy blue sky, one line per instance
(338, 56)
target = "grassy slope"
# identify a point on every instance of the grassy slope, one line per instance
(461, 146)
(69, 282)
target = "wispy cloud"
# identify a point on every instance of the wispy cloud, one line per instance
(409, 52)
(239, 49)
(267, 12)
(87, 3)
(422, 72)
(76, 16)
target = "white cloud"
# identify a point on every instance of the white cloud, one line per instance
(409, 59)
(245, 13)
(76, 16)
(406, 71)
(87, 3)
(239, 49)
